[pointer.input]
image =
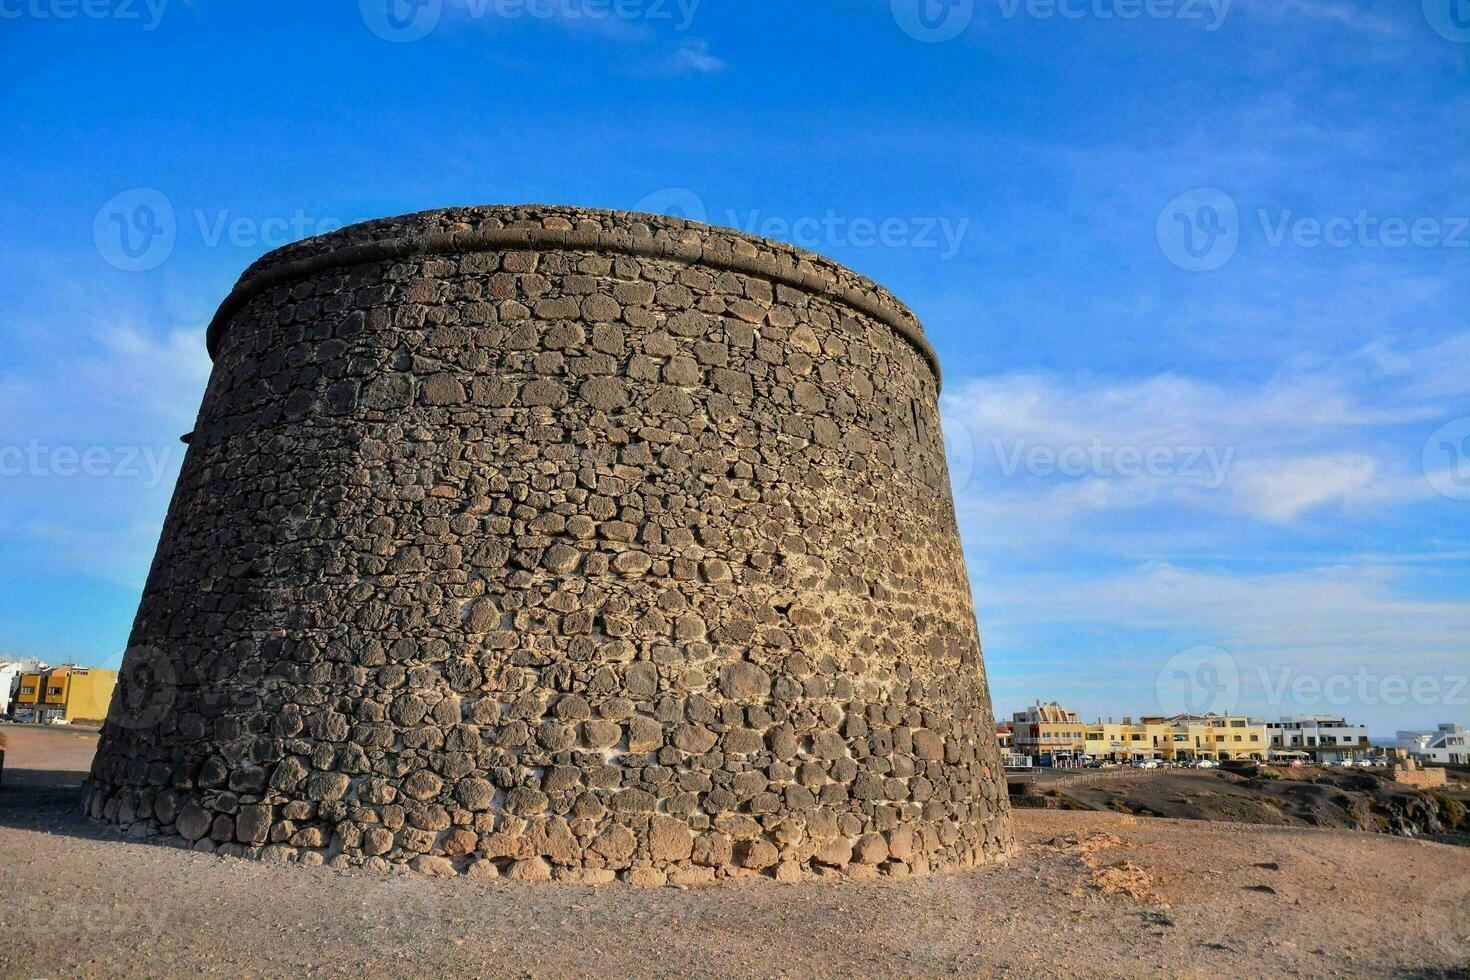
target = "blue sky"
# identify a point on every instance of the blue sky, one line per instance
(1198, 278)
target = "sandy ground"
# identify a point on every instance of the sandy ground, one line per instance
(1089, 894)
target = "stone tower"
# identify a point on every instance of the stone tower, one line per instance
(561, 543)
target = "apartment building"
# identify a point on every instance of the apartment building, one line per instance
(1048, 732)
(1180, 738)
(1325, 738)
(9, 681)
(65, 695)
(10, 671)
(1447, 745)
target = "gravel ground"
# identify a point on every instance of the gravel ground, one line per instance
(1090, 894)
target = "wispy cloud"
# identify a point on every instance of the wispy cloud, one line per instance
(162, 375)
(91, 440)
(649, 36)
(694, 56)
(1051, 448)
(1352, 15)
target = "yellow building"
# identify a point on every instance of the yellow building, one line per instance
(1182, 738)
(65, 694)
(1127, 740)
(1220, 737)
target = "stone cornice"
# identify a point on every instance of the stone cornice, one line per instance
(636, 235)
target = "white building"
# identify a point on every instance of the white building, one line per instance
(10, 671)
(9, 675)
(1328, 738)
(1446, 745)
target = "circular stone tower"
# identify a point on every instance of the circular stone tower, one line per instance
(561, 543)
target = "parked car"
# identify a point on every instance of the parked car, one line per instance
(1206, 764)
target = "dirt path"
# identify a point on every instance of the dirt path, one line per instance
(1090, 894)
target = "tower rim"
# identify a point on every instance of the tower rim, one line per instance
(541, 227)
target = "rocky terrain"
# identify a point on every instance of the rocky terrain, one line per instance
(1087, 894)
(1352, 799)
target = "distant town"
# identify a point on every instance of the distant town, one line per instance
(33, 693)
(1047, 734)
(1044, 734)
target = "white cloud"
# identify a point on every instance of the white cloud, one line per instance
(640, 29)
(1347, 14)
(1282, 489)
(163, 376)
(1048, 448)
(94, 430)
(694, 56)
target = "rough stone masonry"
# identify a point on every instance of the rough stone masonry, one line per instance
(561, 544)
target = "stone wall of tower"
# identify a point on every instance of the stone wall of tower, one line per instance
(561, 543)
